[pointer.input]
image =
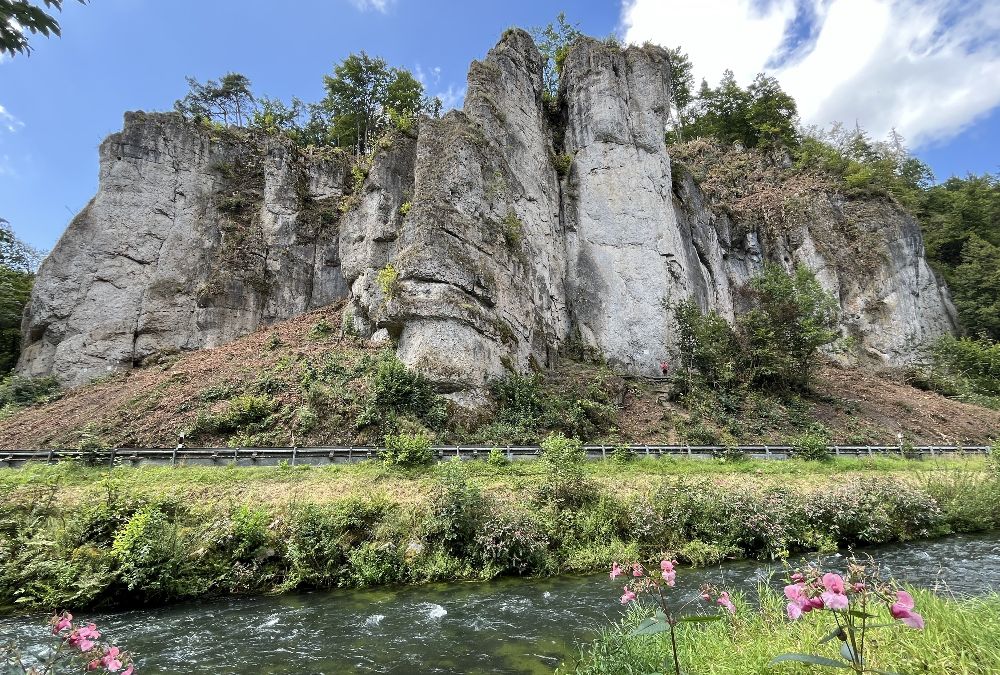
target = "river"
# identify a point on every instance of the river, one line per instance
(504, 626)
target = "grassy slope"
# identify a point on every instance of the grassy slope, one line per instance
(278, 486)
(151, 406)
(961, 636)
(72, 536)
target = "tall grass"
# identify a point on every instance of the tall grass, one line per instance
(961, 636)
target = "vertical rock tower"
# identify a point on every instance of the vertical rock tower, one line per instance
(464, 243)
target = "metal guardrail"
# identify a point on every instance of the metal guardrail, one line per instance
(345, 455)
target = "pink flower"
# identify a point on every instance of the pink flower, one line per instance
(628, 597)
(667, 566)
(127, 671)
(902, 609)
(859, 587)
(670, 577)
(89, 631)
(616, 571)
(110, 659)
(833, 582)
(61, 622)
(85, 645)
(94, 665)
(726, 602)
(814, 603)
(795, 593)
(834, 600)
(637, 570)
(706, 597)
(798, 577)
(794, 610)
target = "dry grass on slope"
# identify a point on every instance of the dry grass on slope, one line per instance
(149, 407)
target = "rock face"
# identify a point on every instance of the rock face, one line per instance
(191, 241)
(464, 244)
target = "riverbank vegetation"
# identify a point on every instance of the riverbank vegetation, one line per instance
(960, 636)
(73, 536)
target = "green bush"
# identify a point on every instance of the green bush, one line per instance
(457, 510)
(510, 543)
(564, 485)
(399, 391)
(388, 281)
(813, 444)
(407, 451)
(152, 556)
(974, 363)
(320, 330)
(320, 540)
(772, 346)
(17, 391)
(513, 230)
(562, 163)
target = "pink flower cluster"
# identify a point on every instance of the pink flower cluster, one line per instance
(814, 590)
(721, 598)
(84, 639)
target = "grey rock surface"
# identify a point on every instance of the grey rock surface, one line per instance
(191, 241)
(464, 245)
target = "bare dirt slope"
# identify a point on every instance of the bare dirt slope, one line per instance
(150, 407)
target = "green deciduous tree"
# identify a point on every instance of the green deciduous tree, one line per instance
(681, 84)
(18, 262)
(359, 96)
(554, 42)
(772, 346)
(17, 17)
(227, 100)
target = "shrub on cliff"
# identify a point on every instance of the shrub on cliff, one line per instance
(772, 346)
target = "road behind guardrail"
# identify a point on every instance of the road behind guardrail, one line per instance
(345, 455)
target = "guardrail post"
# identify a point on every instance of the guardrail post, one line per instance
(767, 452)
(836, 451)
(295, 452)
(869, 451)
(236, 455)
(49, 460)
(111, 462)
(173, 457)
(350, 455)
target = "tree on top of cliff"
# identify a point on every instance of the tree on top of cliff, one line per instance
(19, 16)
(554, 42)
(762, 115)
(222, 100)
(359, 97)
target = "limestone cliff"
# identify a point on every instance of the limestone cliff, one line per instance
(464, 243)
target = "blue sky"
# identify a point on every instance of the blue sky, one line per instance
(116, 55)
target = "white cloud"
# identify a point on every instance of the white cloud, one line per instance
(381, 6)
(929, 68)
(452, 97)
(8, 121)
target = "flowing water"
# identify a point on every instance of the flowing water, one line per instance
(506, 626)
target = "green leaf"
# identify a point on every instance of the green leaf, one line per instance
(650, 627)
(834, 633)
(699, 618)
(860, 615)
(809, 658)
